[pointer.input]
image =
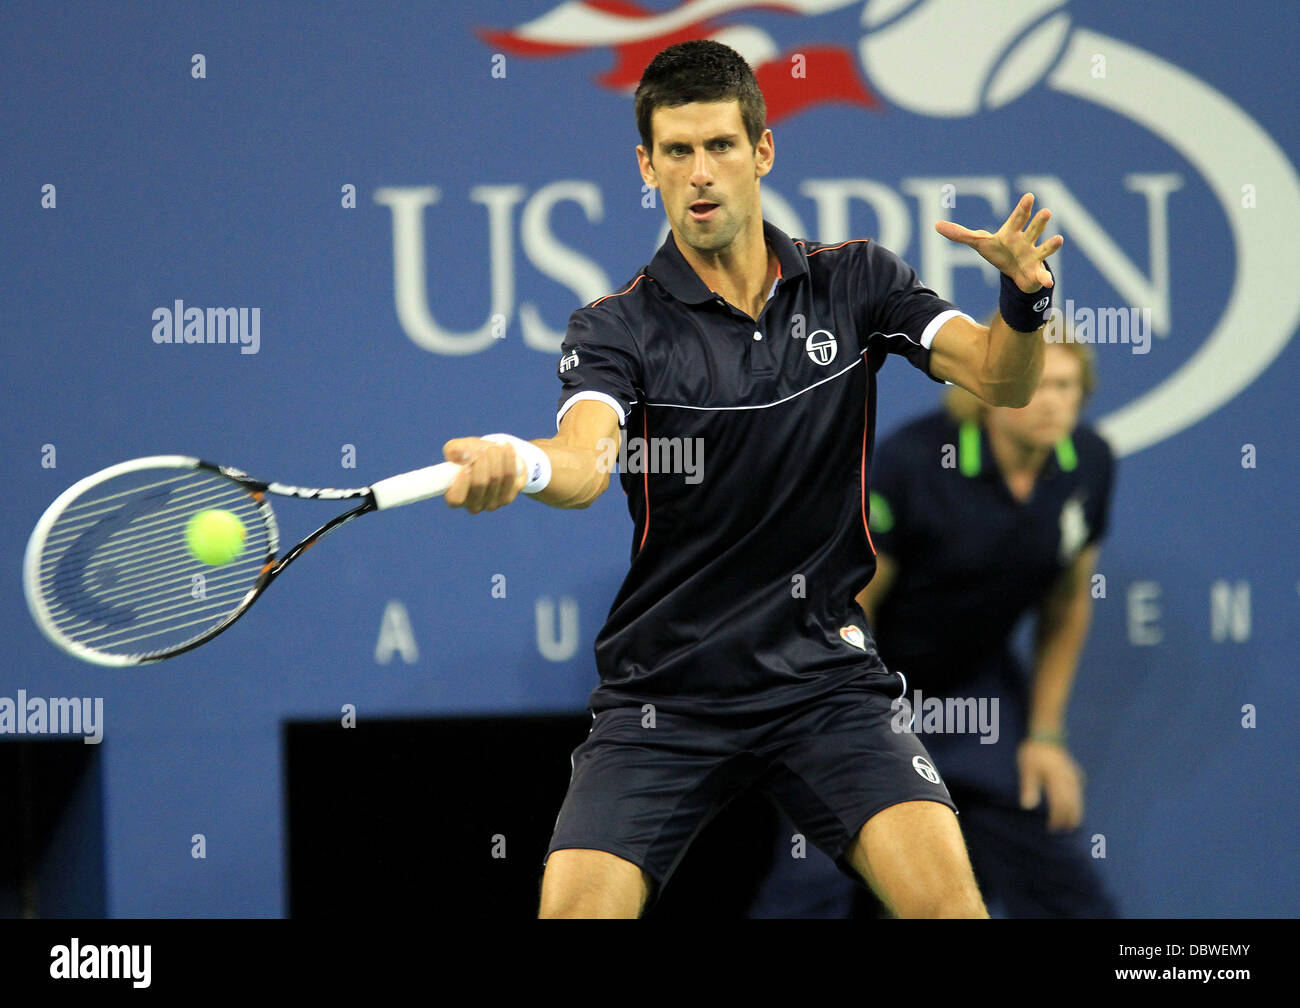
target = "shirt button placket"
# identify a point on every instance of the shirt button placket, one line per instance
(761, 357)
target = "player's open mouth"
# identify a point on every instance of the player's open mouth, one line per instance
(702, 210)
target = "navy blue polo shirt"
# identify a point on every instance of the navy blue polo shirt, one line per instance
(972, 559)
(745, 563)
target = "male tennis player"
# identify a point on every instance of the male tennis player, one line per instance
(735, 654)
(982, 516)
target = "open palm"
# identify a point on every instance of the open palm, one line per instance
(1012, 247)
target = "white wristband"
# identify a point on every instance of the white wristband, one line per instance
(536, 461)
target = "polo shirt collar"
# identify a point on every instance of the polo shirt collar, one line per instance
(975, 457)
(670, 268)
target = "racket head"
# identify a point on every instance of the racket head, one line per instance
(108, 574)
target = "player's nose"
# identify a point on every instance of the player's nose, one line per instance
(701, 171)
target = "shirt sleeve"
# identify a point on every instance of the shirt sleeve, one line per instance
(598, 360)
(902, 314)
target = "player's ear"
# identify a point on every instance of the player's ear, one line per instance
(647, 168)
(764, 153)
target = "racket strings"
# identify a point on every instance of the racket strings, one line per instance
(148, 550)
(87, 631)
(116, 570)
(71, 527)
(216, 605)
(137, 590)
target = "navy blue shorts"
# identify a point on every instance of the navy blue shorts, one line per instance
(643, 793)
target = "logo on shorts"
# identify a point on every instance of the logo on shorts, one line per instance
(925, 768)
(852, 635)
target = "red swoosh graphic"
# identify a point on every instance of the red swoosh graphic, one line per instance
(830, 72)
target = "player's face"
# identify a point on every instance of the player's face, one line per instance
(1054, 410)
(706, 171)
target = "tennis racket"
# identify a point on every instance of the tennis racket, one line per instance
(110, 578)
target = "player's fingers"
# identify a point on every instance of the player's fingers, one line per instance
(1020, 215)
(459, 489)
(498, 477)
(957, 233)
(482, 492)
(1049, 247)
(465, 485)
(1035, 229)
(460, 449)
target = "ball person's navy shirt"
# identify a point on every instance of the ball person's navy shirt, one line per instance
(746, 559)
(972, 558)
(972, 561)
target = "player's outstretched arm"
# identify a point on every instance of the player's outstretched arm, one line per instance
(1003, 363)
(577, 462)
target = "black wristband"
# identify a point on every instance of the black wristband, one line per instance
(1023, 312)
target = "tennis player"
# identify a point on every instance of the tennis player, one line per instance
(982, 516)
(735, 654)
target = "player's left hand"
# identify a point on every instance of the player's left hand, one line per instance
(1047, 767)
(1011, 249)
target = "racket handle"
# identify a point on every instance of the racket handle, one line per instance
(417, 485)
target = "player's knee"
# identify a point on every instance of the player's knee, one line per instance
(959, 898)
(565, 905)
(587, 903)
(590, 884)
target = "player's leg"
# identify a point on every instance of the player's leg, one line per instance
(860, 786)
(592, 883)
(640, 791)
(914, 858)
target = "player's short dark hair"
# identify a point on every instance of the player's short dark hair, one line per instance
(699, 71)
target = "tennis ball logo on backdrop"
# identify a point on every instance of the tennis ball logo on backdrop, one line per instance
(959, 58)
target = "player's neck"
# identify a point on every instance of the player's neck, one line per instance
(742, 273)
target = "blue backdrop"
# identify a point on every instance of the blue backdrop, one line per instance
(415, 196)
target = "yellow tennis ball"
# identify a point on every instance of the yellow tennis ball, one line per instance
(215, 537)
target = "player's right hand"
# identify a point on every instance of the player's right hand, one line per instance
(490, 477)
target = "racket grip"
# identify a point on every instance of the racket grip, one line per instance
(417, 485)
